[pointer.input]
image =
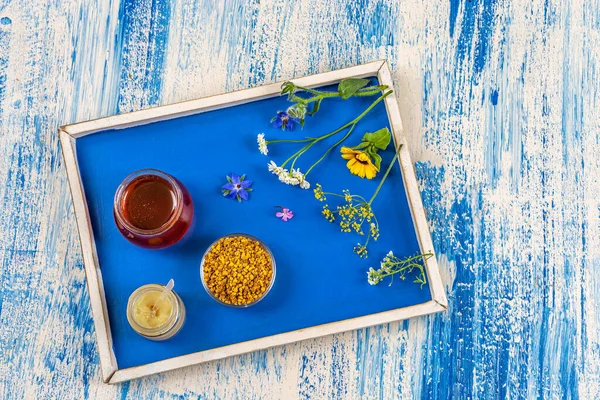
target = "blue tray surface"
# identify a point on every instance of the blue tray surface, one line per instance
(319, 279)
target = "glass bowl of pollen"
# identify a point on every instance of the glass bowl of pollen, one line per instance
(238, 270)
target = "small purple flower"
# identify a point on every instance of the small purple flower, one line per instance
(236, 187)
(283, 120)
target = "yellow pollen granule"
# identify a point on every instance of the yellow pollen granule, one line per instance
(237, 270)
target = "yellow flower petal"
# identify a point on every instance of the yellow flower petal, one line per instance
(347, 153)
(357, 168)
(370, 171)
(359, 163)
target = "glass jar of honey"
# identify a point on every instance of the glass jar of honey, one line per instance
(152, 209)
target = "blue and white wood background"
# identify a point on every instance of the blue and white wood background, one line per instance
(501, 105)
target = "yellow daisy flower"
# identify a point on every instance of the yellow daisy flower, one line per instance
(359, 163)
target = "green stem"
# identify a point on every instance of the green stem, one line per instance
(403, 268)
(331, 148)
(292, 156)
(296, 159)
(365, 94)
(408, 263)
(386, 175)
(315, 140)
(290, 141)
(351, 123)
(313, 91)
(333, 194)
(325, 95)
(368, 236)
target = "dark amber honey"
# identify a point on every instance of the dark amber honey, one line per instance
(153, 209)
(148, 202)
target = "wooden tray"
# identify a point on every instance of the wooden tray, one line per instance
(321, 286)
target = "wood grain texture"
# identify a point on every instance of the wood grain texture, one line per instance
(501, 105)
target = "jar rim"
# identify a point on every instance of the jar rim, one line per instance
(129, 179)
(159, 330)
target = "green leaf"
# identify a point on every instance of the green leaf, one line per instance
(297, 110)
(288, 88)
(228, 178)
(242, 178)
(376, 160)
(362, 145)
(315, 107)
(373, 88)
(380, 139)
(297, 99)
(349, 86)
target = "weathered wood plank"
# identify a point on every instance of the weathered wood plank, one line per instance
(501, 107)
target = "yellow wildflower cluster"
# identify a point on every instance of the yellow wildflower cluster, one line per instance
(374, 231)
(355, 212)
(361, 250)
(329, 216)
(319, 194)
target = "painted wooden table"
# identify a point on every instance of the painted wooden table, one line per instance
(501, 105)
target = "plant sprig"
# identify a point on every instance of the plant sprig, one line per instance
(373, 142)
(309, 105)
(295, 177)
(394, 266)
(355, 212)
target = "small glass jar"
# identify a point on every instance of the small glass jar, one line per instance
(152, 209)
(153, 325)
(269, 287)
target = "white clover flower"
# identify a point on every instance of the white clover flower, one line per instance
(286, 178)
(297, 174)
(262, 144)
(298, 178)
(275, 169)
(293, 181)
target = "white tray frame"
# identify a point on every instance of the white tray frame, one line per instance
(68, 136)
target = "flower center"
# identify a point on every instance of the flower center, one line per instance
(238, 186)
(362, 158)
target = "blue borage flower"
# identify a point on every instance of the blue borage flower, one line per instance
(284, 121)
(236, 187)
